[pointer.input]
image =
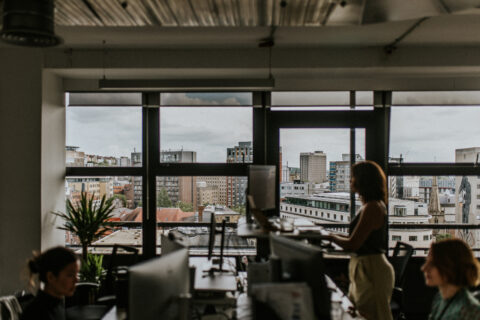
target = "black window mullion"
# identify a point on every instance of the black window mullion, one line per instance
(201, 169)
(150, 159)
(352, 155)
(434, 169)
(260, 102)
(321, 119)
(102, 171)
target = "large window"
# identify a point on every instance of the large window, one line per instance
(190, 152)
(434, 150)
(103, 136)
(179, 157)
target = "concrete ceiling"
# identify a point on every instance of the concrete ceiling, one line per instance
(247, 23)
(444, 30)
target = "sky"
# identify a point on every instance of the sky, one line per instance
(420, 134)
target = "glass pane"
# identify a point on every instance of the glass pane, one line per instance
(206, 99)
(301, 98)
(439, 200)
(434, 134)
(316, 173)
(103, 136)
(194, 199)
(189, 193)
(364, 98)
(311, 108)
(116, 99)
(206, 134)
(435, 98)
(127, 213)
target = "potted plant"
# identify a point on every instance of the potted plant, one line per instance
(92, 269)
(87, 220)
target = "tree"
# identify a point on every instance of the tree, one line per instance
(442, 236)
(163, 200)
(239, 209)
(122, 198)
(185, 206)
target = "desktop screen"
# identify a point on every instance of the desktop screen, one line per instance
(155, 287)
(301, 262)
(261, 185)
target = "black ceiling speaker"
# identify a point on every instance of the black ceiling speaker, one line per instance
(29, 23)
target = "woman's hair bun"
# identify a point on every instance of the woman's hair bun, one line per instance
(33, 265)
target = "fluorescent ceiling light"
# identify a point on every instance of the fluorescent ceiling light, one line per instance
(188, 85)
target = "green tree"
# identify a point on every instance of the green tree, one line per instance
(163, 200)
(185, 206)
(122, 198)
(239, 209)
(442, 236)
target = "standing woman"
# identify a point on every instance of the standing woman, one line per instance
(371, 275)
(57, 269)
(452, 267)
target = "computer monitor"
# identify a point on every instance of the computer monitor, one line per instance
(211, 245)
(157, 286)
(261, 185)
(170, 245)
(301, 262)
(211, 235)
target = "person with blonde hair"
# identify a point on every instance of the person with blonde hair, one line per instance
(57, 268)
(371, 275)
(452, 267)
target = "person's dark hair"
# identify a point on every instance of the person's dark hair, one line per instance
(369, 181)
(53, 260)
(455, 261)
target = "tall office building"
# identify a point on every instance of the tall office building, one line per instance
(136, 161)
(313, 167)
(339, 173)
(236, 186)
(467, 197)
(213, 182)
(182, 189)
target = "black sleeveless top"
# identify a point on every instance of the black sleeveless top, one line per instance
(377, 239)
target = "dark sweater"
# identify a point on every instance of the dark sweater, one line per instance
(44, 307)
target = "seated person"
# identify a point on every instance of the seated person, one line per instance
(57, 269)
(452, 267)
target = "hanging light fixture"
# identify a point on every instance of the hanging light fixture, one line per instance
(29, 23)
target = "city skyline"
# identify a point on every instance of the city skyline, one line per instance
(116, 131)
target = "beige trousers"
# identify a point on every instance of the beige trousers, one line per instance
(371, 285)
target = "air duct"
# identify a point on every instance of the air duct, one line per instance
(29, 23)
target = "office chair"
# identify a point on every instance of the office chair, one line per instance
(399, 260)
(114, 272)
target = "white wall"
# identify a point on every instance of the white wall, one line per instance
(20, 137)
(53, 160)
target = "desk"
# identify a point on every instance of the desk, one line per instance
(252, 230)
(115, 314)
(340, 305)
(220, 282)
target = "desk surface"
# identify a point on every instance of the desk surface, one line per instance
(224, 281)
(252, 230)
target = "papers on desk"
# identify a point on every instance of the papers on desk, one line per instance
(289, 300)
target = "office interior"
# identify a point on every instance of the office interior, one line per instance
(365, 47)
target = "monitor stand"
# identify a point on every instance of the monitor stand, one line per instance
(211, 272)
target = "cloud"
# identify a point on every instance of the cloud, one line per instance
(418, 133)
(106, 131)
(207, 99)
(431, 134)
